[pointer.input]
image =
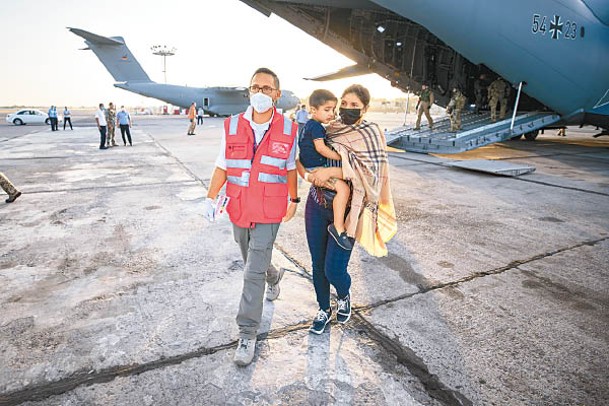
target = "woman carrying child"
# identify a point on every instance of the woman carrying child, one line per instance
(370, 218)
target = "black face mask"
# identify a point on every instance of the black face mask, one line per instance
(349, 116)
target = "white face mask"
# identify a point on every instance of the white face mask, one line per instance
(261, 102)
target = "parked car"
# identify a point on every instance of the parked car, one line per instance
(28, 116)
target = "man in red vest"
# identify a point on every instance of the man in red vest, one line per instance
(257, 163)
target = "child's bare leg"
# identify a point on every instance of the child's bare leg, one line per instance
(339, 204)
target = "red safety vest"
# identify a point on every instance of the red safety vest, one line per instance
(257, 182)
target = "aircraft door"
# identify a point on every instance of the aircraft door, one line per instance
(206, 103)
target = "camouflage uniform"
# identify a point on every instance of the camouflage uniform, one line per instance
(424, 104)
(455, 105)
(498, 92)
(9, 188)
(480, 91)
(111, 120)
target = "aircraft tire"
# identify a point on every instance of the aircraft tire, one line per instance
(531, 136)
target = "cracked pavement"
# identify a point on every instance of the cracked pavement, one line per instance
(115, 290)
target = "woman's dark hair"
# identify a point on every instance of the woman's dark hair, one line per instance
(360, 91)
(268, 72)
(320, 97)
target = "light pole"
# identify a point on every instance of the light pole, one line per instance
(164, 51)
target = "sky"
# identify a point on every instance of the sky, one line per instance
(218, 42)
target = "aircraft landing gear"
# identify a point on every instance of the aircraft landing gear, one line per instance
(531, 135)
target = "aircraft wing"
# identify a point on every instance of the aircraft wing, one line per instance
(222, 89)
(346, 72)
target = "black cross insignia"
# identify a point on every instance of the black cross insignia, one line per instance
(555, 27)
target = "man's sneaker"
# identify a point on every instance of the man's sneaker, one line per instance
(12, 198)
(343, 311)
(272, 291)
(341, 239)
(244, 354)
(320, 322)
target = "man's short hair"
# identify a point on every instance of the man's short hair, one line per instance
(320, 97)
(268, 72)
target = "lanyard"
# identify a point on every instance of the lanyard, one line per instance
(256, 144)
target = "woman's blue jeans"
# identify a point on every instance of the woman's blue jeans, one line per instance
(329, 259)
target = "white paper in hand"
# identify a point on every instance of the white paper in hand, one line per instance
(221, 203)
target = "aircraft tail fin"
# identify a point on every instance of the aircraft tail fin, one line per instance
(114, 54)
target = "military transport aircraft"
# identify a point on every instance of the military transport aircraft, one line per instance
(555, 51)
(129, 75)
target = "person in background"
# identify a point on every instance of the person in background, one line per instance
(425, 102)
(498, 92)
(455, 105)
(67, 118)
(53, 118)
(480, 92)
(200, 113)
(100, 119)
(302, 117)
(9, 188)
(123, 119)
(111, 120)
(192, 113)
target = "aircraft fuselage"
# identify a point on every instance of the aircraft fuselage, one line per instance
(560, 49)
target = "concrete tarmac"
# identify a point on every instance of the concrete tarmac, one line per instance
(115, 290)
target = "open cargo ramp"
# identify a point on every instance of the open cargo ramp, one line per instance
(477, 130)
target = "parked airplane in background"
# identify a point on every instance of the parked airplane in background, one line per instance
(557, 50)
(129, 75)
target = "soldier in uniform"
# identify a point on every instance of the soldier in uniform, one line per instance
(8, 187)
(111, 120)
(423, 106)
(498, 92)
(480, 92)
(455, 105)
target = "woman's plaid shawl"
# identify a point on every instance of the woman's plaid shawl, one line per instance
(363, 149)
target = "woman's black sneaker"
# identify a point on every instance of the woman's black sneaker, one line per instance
(343, 312)
(320, 322)
(341, 239)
